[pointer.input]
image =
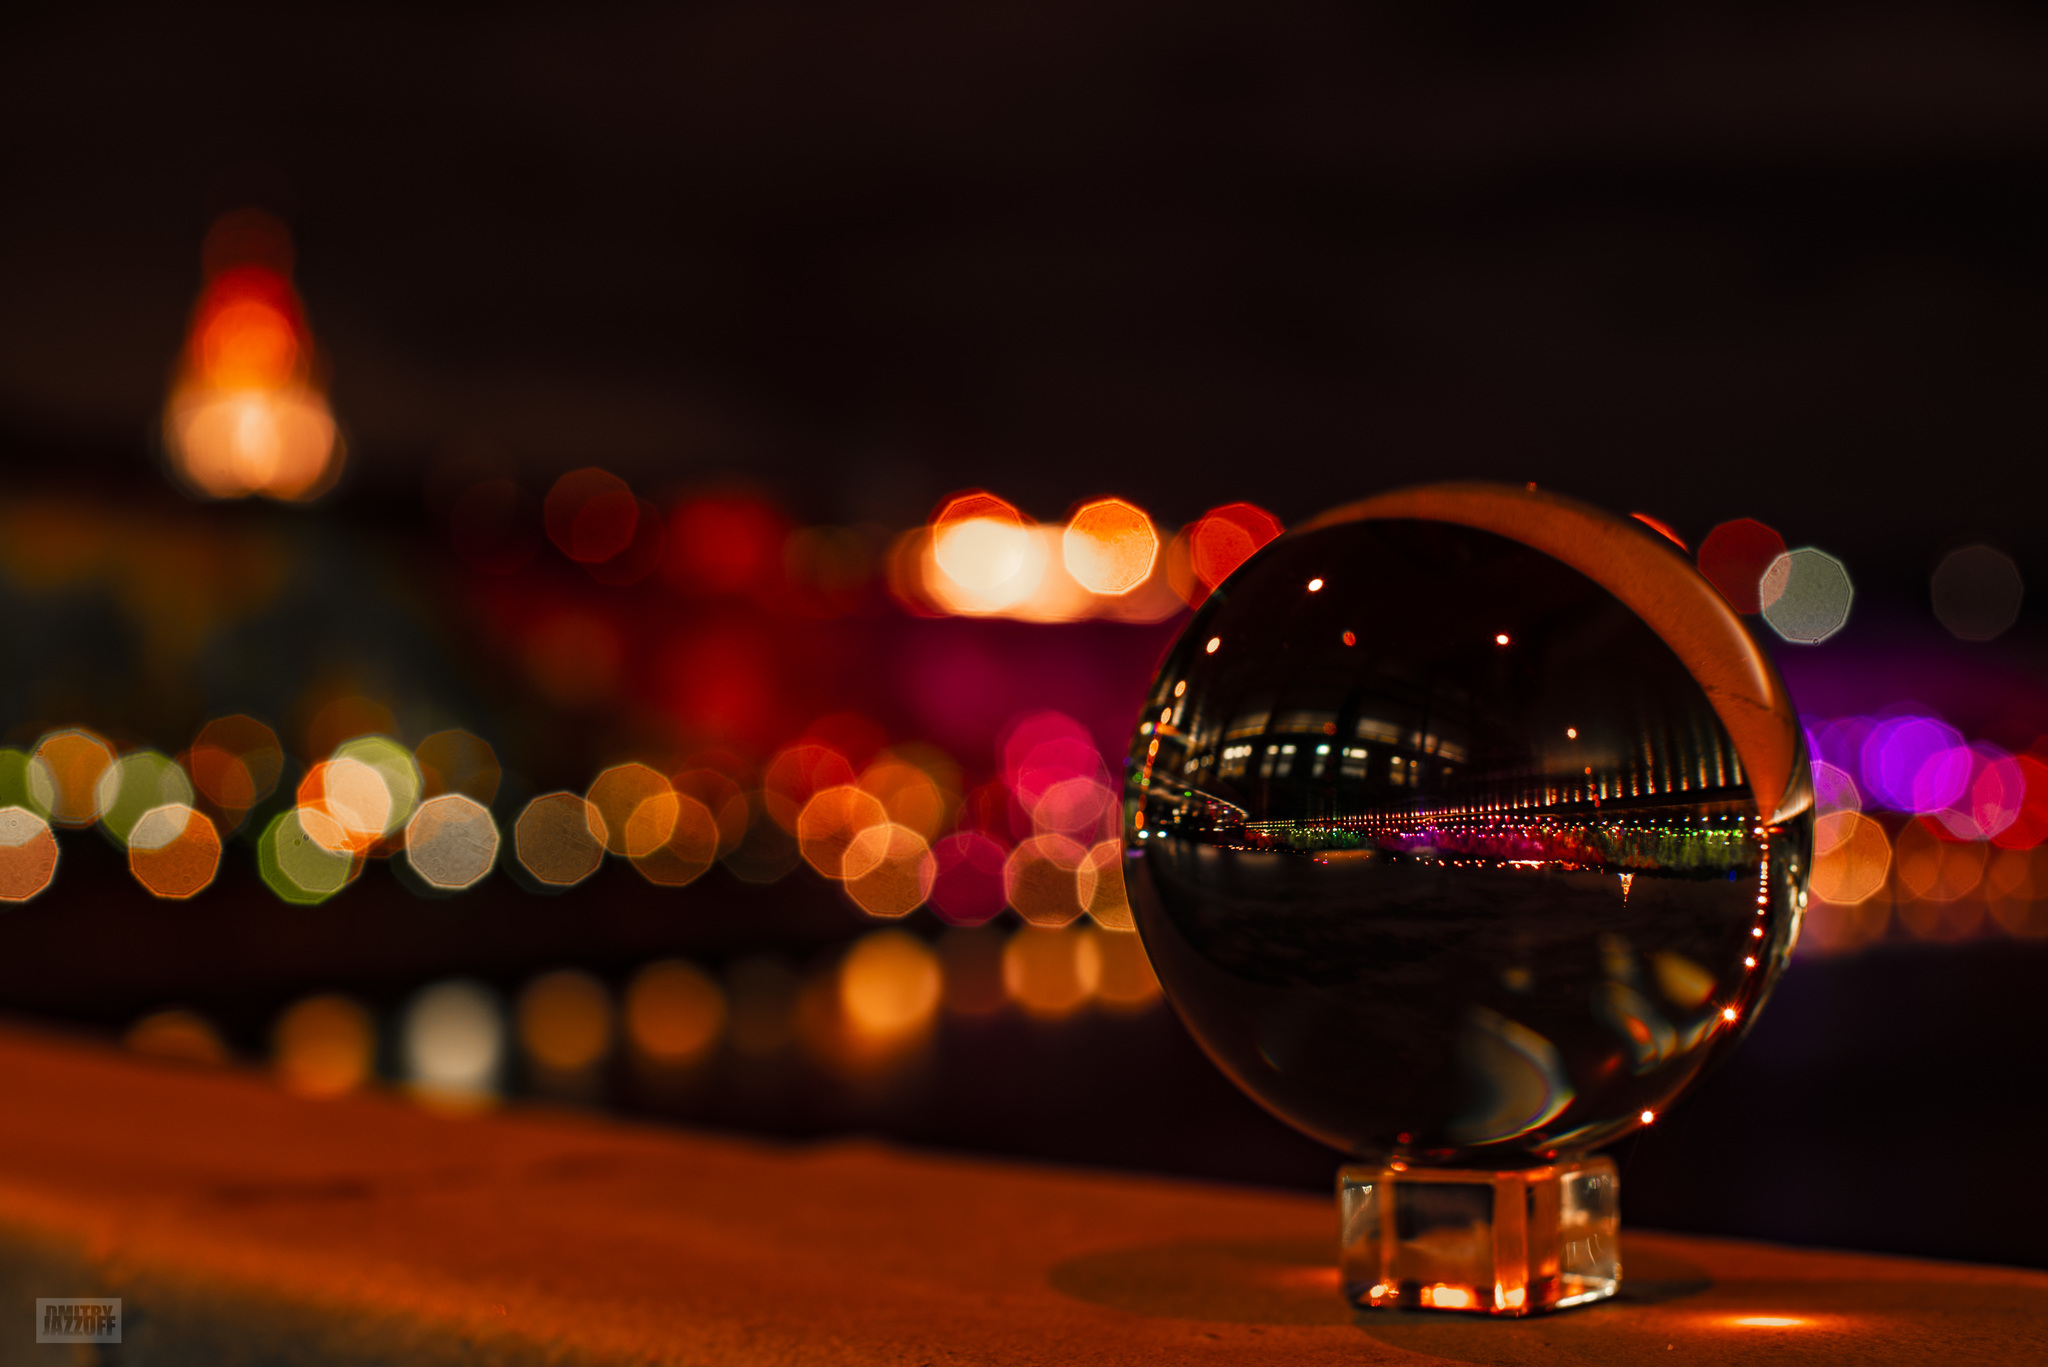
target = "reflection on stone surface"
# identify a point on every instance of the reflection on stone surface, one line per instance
(1450, 857)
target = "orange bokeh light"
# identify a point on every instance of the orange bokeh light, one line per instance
(174, 851)
(829, 824)
(64, 775)
(28, 854)
(1110, 546)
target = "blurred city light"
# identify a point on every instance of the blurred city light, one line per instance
(1109, 546)
(1977, 592)
(559, 839)
(323, 1046)
(1052, 973)
(889, 870)
(451, 842)
(1805, 596)
(889, 985)
(591, 515)
(28, 854)
(452, 1044)
(1224, 538)
(247, 414)
(64, 776)
(138, 782)
(177, 1034)
(298, 867)
(174, 851)
(674, 1012)
(565, 1021)
(1734, 557)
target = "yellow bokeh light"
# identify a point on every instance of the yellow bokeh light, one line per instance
(559, 839)
(889, 985)
(565, 1020)
(675, 1012)
(174, 851)
(1108, 906)
(301, 866)
(617, 794)
(138, 782)
(452, 1044)
(323, 1046)
(1052, 973)
(1110, 547)
(451, 842)
(64, 776)
(28, 854)
(394, 765)
(828, 824)
(889, 870)
(231, 443)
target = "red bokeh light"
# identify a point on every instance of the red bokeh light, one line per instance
(726, 543)
(1734, 557)
(1226, 537)
(591, 515)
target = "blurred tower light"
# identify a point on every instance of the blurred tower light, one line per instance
(247, 413)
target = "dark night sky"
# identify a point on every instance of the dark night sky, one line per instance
(1779, 260)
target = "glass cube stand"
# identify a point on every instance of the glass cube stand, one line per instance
(1494, 1243)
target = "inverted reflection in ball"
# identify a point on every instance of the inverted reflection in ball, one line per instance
(1456, 857)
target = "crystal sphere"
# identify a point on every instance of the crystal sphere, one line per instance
(1466, 825)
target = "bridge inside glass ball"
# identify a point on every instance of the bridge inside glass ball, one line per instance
(1454, 857)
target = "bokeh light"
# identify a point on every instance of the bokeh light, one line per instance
(235, 762)
(968, 878)
(617, 794)
(889, 985)
(723, 544)
(889, 870)
(1052, 973)
(64, 776)
(559, 839)
(1107, 905)
(138, 782)
(451, 842)
(1977, 592)
(591, 515)
(245, 415)
(1734, 557)
(1224, 538)
(345, 804)
(1806, 596)
(1049, 879)
(28, 854)
(1851, 857)
(299, 868)
(323, 1046)
(830, 822)
(565, 1021)
(1931, 869)
(674, 1012)
(452, 1044)
(174, 851)
(1109, 546)
(672, 839)
(177, 1034)
(395, 766)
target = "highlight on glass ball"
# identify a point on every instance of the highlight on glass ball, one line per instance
(1467, 826)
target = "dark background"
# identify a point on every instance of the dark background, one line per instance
(1781, 261)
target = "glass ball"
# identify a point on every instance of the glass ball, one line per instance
(1466, 826)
